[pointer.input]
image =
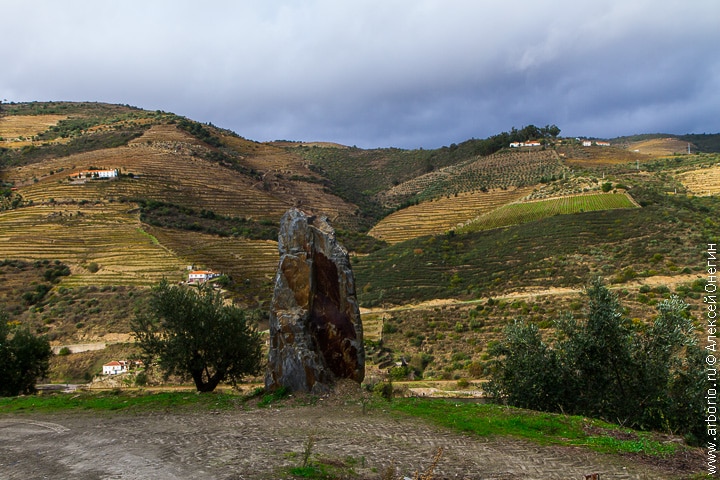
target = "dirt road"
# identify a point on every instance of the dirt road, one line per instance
(262, 443)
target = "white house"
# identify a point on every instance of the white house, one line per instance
(96, 174)
(590, 143)
(531, 143)
(201, 276)
(114, 368)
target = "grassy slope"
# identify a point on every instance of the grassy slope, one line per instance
(522, 212)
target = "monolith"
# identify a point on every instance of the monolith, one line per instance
(316, 335)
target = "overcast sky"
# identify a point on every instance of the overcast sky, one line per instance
(377, 73)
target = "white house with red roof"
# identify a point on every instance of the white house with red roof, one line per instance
(201, 276)
(114, 367)
(96, 174)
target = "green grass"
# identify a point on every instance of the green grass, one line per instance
(117, 400)
(488, 420)
(517, 213)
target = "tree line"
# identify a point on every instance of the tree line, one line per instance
(644, 376)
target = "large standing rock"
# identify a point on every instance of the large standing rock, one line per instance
(316, 334)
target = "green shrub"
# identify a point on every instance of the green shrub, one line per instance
(384, 390)
(607, 366)
(399, 372)
(389, 328)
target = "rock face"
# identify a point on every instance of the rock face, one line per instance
(316, 334)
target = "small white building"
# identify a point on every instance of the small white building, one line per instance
(201, 276)
(530, 143)
(96, 174)
(114, 368)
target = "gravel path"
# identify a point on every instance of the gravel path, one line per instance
(264, 443)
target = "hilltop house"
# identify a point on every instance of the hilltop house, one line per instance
(95, 174)
(530, 143)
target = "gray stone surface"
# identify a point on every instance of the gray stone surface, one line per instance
(316, 335)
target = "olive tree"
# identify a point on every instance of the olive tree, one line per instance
(192, 332)
(604, 365)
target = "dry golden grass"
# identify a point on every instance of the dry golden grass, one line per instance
(597, 156)
(659, 147)
(439, 216)
(705, 181)
(12, 128)
(642, 151)
(165, 133)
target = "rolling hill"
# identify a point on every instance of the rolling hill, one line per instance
(190, 194)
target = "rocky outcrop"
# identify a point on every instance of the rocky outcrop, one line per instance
(316, 335)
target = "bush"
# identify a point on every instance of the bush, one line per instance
(24, 358)
(606, 366)
(399, 373)
(384, 390)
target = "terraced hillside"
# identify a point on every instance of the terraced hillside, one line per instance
(194, 194)
(169, 160)
(105, 235)
(251, 263)
(499, 171)
(662, 238)
(704, 181)
(523, 212)
(446, 213)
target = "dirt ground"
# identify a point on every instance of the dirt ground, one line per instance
(264, 443)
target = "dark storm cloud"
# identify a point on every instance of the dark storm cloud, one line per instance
(378, 73)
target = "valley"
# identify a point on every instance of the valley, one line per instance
(447, 245)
